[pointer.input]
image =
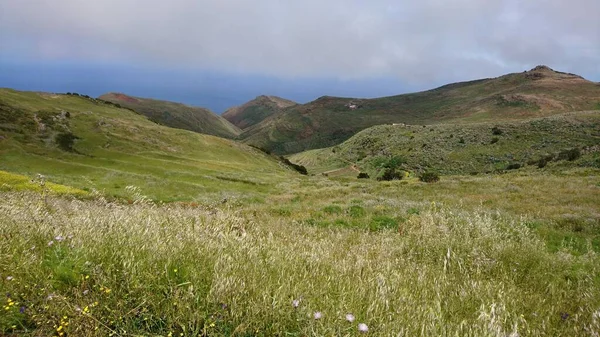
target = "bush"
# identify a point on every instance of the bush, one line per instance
(513, 166)
(363, 175)
(382, 222)
(332, 209)
(494, 140)
(496, 131)
(301, 169)
(65, 141)
(570, 155)
(429, 177)
(356, 211)
(390, 174)
(461, 140)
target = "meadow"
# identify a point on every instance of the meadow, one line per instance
(113, 225)
(489, 255)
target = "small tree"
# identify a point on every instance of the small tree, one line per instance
(390, 174)
(65, 141)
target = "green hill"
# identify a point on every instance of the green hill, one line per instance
(176, 115)
(90, 144)
(256, 110)
(566, 139)
(331, 120)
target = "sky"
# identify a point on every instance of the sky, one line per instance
(220, 53)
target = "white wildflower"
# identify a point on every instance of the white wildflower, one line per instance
(362, 327)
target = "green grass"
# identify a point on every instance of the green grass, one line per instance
(255, 111)
(116, 148)
(464, 149)
(16, 182)
(177, 115)
(328, 121)
(405, 258)
(169, 233)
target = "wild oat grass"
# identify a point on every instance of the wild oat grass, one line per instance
(98, 268)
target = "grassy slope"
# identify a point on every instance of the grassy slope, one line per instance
(256, 110)
(177, 115)
(118, 148)
(328, 121)
(462, 257)
(463, 148)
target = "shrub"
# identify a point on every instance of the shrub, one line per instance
(299, 168)
(494, 140)
(65, 141)
(390, 174)
(496, 131)
(332, 209)
(394, 162)
(382, 222)
(513, 166)
(429, 177)
(542, 163)
(356, 211)
(363, 175)
(570, 155)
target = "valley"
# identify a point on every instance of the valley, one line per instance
(125, 216)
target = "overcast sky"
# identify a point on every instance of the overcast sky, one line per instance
(302, 48)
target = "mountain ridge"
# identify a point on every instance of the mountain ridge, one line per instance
(176, 115)
(328, 120)
(256, 110)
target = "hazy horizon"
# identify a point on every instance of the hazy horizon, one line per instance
(218, 54)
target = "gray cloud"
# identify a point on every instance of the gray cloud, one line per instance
(427, 41)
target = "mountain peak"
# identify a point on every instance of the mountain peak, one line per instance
(256, 110)
(119, 97)
(543, 68)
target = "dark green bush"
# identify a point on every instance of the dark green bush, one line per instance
(299, 168)
(390, 174)
(65, 141)
(429, 177)
(570, 155)
(496, 131)
(363, 175)
(513, 166)
(494, 140)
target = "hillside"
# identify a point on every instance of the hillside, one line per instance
(331, 120)
(93, 145)
(465, 148)
(176, 115)
(256, 110)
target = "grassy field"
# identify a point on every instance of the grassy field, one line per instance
(467, 149)
(112, 225)
(177, 115)
(468, 256)
(114, 148)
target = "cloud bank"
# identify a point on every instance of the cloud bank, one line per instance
(427, 41)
